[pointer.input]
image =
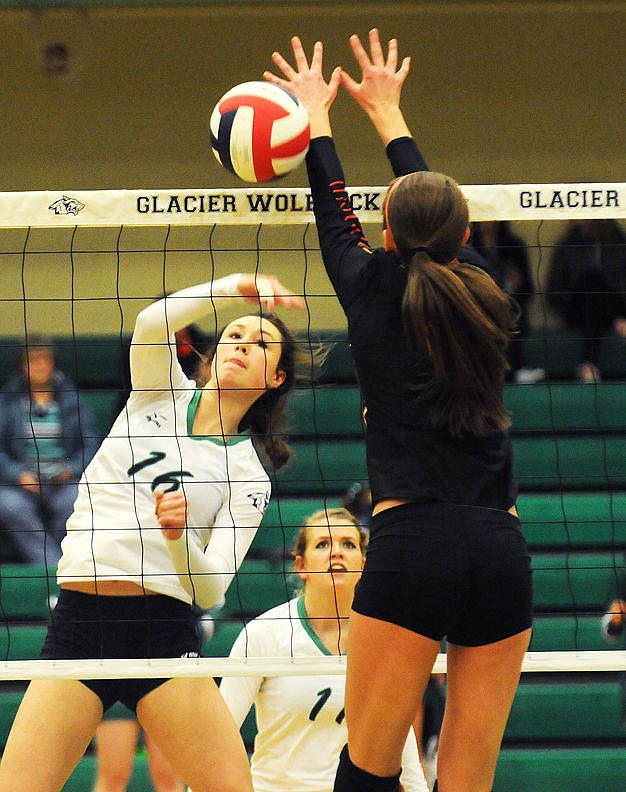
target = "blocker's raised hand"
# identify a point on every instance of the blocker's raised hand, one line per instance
(306, 82)
(379, 91)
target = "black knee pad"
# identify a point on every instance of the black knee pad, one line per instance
(351, 778)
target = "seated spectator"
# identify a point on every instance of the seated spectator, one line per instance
(47, 436)
(587, 286)
(508, 256)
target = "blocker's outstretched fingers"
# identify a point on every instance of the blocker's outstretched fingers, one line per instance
(392, 54)
(284, 65)
(359, 52)
(376, 50)
(299, 53)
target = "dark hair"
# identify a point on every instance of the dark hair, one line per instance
(590, 230)
(191, 346)
(453, 312)
(266, 417)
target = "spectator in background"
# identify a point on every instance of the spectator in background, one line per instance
(614, 619)
(508, 255)
(47, 436)
(587, 286)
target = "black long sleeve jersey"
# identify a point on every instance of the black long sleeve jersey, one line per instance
(406, 456)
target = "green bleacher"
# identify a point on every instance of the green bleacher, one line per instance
(570, 460)
(549, 769)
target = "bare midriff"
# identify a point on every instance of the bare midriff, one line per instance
(108, 588)
(389, 503)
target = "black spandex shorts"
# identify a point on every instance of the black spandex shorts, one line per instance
(444, 570)
(85, 626)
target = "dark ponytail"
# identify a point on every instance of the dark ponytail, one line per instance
(455, 313)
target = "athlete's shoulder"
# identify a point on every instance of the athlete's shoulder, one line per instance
(286, 610)
(276, 622)
(268, 634)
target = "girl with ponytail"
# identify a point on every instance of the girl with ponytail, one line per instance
(429, 330)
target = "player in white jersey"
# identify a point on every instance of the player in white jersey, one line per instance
(165, 514)
(300, 720)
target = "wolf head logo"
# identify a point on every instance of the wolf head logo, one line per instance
(260, 500)
(66, 205)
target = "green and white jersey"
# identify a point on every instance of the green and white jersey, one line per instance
(113, 533)
(300, 720)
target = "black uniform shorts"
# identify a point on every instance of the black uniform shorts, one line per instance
(448, 571)
(86, 626)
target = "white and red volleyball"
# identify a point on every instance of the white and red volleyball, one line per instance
(259, 131)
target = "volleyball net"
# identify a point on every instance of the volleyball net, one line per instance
(79, 265)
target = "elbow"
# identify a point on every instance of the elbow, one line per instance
(208, 596)
(142, 325)
(139, 332)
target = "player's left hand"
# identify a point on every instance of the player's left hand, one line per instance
(171, 511)
(269, 292)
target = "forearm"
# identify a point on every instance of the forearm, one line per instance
(153, 362)
(389, 122)
(158, 322)
(205, 573)
(319, 123)
(342, 241)
(404, 156)
(204, 576)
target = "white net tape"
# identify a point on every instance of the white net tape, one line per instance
(245, 207)
(534, 662)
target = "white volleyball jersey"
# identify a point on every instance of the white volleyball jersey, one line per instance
(300, 719)
(113, 532)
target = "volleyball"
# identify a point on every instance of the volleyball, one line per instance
(259, 131)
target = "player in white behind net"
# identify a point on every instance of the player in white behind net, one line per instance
(301, 720)
(165, 514)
